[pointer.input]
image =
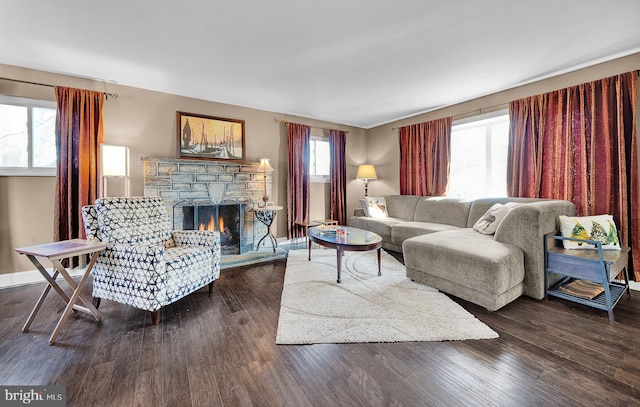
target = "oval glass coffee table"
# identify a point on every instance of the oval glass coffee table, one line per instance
(356, 240)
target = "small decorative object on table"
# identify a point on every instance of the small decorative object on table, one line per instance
(341, 234)
(329, 230)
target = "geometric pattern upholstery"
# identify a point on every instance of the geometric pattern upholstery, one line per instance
(146, 265)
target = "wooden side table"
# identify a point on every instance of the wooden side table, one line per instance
(311, 223)
(55, 252)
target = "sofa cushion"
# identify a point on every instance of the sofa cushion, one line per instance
(380, 226)
(450, 211)
(402, 206)
(467, 258)
(188, 269)
(407, 230)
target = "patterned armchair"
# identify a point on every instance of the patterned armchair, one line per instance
(147, 265)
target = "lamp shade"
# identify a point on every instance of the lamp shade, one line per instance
(366, 171)
(114, 161)
(264, 165)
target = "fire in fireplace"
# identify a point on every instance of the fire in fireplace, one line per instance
(225, 218)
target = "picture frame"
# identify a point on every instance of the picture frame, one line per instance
(210, 138)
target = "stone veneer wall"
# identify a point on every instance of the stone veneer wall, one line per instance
(187, 182)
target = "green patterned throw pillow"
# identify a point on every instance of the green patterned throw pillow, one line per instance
(599, 228)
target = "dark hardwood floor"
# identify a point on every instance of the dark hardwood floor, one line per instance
(219, 350)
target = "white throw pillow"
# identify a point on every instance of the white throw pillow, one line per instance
(374, 207)
(599, 228)
(489, 222)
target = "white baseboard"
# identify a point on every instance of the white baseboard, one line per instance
(31, 277)
(634, 285)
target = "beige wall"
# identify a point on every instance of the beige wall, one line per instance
(319, 206)
(145, 122)
(382, 142)
(26, 218)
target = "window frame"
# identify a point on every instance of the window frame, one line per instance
(469, 122)
(30, 170)
(312, 160)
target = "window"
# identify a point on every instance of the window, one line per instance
(320, 160)
(27, 136)
(479, 157)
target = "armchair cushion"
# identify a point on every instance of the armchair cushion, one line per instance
(188, 269)
(142, 220)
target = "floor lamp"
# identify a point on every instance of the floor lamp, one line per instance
(114, 163)
(366, 172)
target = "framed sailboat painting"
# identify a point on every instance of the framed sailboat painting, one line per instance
(208, 137)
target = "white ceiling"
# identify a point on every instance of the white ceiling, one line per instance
(355, 62)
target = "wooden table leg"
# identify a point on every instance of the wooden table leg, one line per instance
(51, 280)
(339, 251)
(309, 249)
(379, 271)
(47, 276)
(35, 310)
(89, 307)
(74, 297)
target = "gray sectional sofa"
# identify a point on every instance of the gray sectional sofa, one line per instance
(442, 250)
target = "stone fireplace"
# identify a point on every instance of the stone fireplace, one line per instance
(224, 218)
(195, 190)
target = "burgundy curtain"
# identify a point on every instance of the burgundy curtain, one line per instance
(337, 178)
(299, 137)
(579, 144)
(78, 137)
(425, 151)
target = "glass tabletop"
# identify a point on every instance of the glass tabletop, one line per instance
(354, 236)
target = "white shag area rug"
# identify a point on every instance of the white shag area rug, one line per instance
(365, 307)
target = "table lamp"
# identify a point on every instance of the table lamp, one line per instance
(264, 167)
(366, 172)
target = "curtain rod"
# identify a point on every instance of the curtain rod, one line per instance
(315, 127)
(479, 111)
(107, 94)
